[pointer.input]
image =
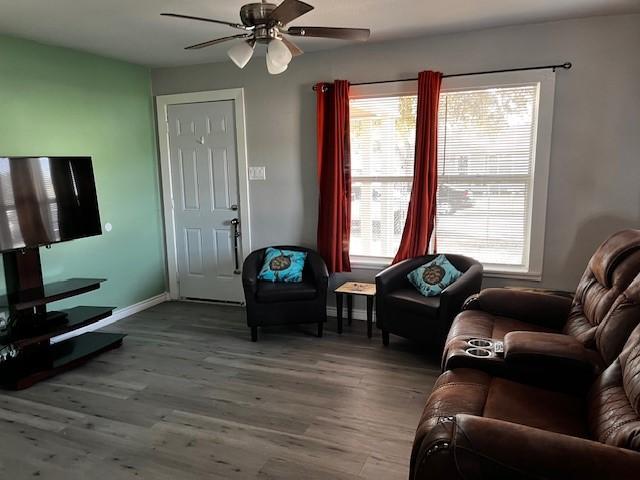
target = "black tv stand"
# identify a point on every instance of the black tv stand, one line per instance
(55, 317)
(29, 327)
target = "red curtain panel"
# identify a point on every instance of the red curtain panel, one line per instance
(334, 174)
(421, 212)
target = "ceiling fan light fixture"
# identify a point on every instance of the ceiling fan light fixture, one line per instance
(275, 68)
(267, 23)
(279, 52)
(241, 52)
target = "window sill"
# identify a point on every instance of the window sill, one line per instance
(361, 263)
(529, 276)
(379, 265)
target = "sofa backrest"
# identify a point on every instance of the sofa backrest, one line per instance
(623, 316)
(614, 399)
(602, 294)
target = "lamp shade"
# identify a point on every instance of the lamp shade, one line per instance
(279, 52)
(241, 53)
(275, 68)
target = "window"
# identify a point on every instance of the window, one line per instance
(382, 148)
(493, 153)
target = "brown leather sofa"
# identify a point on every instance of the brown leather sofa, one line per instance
(562, 401)
(600, 307)
(476, 425)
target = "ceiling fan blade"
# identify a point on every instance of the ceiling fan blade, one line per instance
(210, 20)
(216, 41)
(293, 48)
(360, 34)
(289, 10)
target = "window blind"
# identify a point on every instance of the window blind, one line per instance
(382, 150)
(486, 151)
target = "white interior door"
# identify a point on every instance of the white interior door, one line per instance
(204, 181)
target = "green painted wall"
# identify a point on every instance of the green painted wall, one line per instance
(56, 101)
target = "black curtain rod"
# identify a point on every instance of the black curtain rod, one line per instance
(566, 66)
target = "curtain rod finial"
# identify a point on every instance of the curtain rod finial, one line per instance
(565, 65)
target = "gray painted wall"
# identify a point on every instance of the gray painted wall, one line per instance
(595, 164)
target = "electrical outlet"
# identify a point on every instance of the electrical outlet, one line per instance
(257, 173)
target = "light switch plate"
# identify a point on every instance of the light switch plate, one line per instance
(257, 173)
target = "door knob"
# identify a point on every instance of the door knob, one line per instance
(235, 221)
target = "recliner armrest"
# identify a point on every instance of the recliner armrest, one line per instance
(552, 354)
(319, 269)
(468, 284)
(538, 308)
(394, 276)
(473, 447)
(250, 270)
(453, 297)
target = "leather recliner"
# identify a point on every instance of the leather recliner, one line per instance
(403, 311)
(279, 303)
(600, 305)
(476, 425)
(555, 405)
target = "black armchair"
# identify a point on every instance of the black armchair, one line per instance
(403, 311)
(285, 303)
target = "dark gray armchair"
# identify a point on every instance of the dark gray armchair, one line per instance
(403, 311)
(285, 303)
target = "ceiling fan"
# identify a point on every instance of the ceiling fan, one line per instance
(266, 23)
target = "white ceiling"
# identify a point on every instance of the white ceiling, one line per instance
(133, 29)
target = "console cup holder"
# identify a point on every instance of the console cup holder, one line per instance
(480, 342)
(479, 352)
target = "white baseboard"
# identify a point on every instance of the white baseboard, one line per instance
(358, 314)
(116, 316)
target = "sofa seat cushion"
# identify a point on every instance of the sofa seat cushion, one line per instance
(476, 323)
(269, 292)
(473, 392)
(536, 407)
(412, 300)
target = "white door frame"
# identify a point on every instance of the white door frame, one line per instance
(162, 104)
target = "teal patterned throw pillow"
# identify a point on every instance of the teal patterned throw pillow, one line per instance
(432, 278)
(282, 266)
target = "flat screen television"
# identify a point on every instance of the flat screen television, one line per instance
(45, 200)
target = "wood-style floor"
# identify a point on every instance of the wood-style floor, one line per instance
(188, 396)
